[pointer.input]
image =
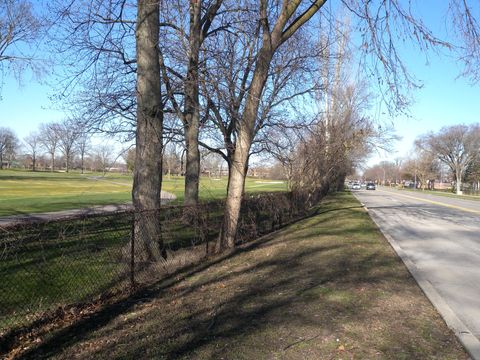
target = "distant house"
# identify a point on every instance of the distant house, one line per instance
(259, 172)
(215, 171)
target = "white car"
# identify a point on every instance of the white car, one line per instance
(356, 186)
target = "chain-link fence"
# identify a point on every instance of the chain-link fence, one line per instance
(49, 264)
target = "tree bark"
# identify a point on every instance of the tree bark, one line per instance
(238, 168)
(192, 164)
(192, 107)
(146, 193)
(459, 181)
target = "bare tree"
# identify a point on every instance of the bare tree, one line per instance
(275, 30)
(68, 133)
(425, 167)
(456, 146)
(113, 71)
(374, 173)
(98, 64)
(103, 157)
(386, 172)
(282, 146)
(211, 163)
(332, 150)
(171, 159)
(8, 145)
(49, 139)
(380, 25)
(466, 24)
(201, 17)
(32, 142)
(129, 158)
(19, 27)
(147, 176)
(100, 37)
(83, 145)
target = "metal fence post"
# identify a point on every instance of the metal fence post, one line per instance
(132, 254)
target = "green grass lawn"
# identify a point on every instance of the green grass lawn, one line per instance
(59, 263)
(326, 287)
(23, 192)
(69, 261)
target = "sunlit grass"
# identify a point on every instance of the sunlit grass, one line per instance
(23, 192)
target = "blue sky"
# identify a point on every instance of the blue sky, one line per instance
(445, 99)
(23, 107)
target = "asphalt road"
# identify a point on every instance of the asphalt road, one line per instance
(439, 239)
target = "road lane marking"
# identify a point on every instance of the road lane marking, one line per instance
(435, 202)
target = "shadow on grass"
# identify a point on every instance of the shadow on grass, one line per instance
(259, 299)
(285, 271)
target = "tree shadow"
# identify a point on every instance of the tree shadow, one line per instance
(273, 287)
(280, 290)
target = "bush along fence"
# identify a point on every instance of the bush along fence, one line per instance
(45, 266)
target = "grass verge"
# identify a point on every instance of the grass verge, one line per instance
(327, 287)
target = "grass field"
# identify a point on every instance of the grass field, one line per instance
(327, 287)
(70, 261)
(59, 263)
(23, 192)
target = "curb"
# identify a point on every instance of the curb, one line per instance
(464, 335)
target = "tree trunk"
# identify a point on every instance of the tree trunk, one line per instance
(191, 110)
(458, 174)
(53, 161)
(147, 179)
(192, 164)
(238, 168)
(34, 160)
(82, 164)
(236, 183)
(67, 163)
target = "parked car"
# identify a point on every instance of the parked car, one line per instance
(356, 186)
(370, 186)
